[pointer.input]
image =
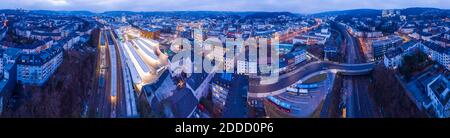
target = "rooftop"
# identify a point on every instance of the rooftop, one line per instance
(437, 47)
(440, 87)
(388, 40)
(37, 59)
(408, 44)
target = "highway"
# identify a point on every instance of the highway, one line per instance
(358, 102)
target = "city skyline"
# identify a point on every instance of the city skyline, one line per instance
(224, 62)
(295, 6)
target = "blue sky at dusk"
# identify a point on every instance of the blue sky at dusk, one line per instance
(298, 6)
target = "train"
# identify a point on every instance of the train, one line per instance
(113, 58)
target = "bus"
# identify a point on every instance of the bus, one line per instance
(286, 107)
(307, 86)
(297, 91)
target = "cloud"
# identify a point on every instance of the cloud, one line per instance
(302, 6)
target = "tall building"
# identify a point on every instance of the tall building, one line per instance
(220, 89)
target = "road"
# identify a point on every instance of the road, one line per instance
(358, 102)
(365, 106)
(302, 72)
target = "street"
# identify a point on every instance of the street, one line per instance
(358, 102)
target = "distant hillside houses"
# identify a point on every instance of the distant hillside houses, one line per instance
(41, 32)
(359, 33)
(39, 53)
(70, 30)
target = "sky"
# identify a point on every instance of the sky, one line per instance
(296, 6)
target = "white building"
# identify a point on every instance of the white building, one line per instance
(300, 56)
(438, 93)
(394, 57)
(252, 67)
(242, 67)
(294, 58)
(437, 53)
(374, 34)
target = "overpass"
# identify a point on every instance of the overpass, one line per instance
(266, 86)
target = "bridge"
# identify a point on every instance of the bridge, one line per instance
(266, 86)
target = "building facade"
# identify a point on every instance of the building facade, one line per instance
(36, 68)
(438, 93)
(437, 53)
(380, 47)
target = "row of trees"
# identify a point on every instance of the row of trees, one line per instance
(389, 95)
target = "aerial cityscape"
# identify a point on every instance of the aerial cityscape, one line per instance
(107, 59)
